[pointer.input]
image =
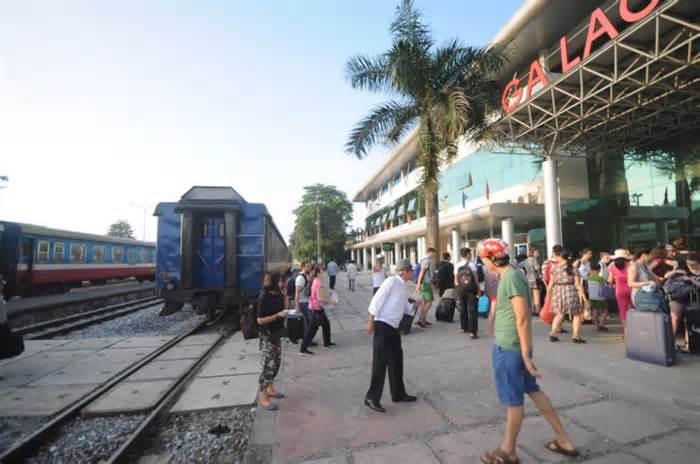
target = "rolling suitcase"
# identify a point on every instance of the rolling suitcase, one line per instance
(484, 306)
(692, 327)
(295, 327)
(445, 310)
(649, 338)
(407, 321)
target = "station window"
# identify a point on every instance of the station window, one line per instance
(117, 255)
(221, 230)
(205, 230)
(43, 255)
(144, 255)
(77, 253)
(131, 256)
(58, 252)
(98, 254)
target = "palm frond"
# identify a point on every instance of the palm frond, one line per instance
(408, 26)
(369, 73)
(381, 121)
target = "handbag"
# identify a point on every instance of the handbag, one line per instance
(677, 289)
(546, 313)
(607, 292)
(11, 344)
(650, 300)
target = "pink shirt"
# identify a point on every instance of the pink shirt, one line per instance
(620, 276)
(313, 299)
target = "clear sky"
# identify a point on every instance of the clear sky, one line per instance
(107, 104)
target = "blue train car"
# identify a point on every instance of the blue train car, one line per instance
(213, 248)
(35, 259)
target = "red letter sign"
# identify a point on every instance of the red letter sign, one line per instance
(631, 17)
(536, 75)
(516, 95)
(565, 63)
(606, 28)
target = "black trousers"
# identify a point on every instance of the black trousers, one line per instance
(332, 282)
(468, 314)
(351, 285)
(387, 354)
(317, 319)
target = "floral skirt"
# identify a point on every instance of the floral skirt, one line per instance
(565, 300)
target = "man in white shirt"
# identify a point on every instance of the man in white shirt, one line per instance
(332, 271)
(386, 310)
(352, 275)
(378, 275)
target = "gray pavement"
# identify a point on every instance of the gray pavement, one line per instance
(617, 410)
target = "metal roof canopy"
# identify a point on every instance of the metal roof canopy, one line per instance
(633, 91)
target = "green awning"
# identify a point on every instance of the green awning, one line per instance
(411, 205)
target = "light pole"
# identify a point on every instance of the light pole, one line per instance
(318, 230)
(144, 209)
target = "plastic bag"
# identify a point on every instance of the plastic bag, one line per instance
(546, 314)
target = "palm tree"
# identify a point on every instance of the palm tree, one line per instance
(446, 92)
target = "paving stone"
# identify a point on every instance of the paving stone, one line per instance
(240, 364)
(536, 431)
(32, 347)
(563, 393)
(184, 352)
(119, 355)
(680, 447)
(619, 421)
(203, 339)
(41, 401)
(218, 392)
(39, 365)
(158, 370)
(128, 398)
(142, 342)
(331, 460)
(469, 445)
(89, 344)
(396, 454)
(615, 458)
(97, 371)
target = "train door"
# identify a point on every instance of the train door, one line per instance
(209, 258)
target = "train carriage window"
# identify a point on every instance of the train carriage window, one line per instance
(98, 254)
(205, 230)
(58, 252)
(117, 255)
(144, 255)
(77, 253)
(131, 256)
(26, 247)
(43, 254)
(221, 231)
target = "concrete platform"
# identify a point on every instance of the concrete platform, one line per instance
(40, 401)
(128, 398)
(32, 347)
(218, 392)
(89, 344)
(142, 342)
(231, 365)
(95, 372)
(184, 352)
(159, 370)
(38, 365)
(203, 339)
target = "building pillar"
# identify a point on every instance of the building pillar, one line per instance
(662, 232)
(374, 257)
(455, 246)
(421, 249)
(352, 254)
(552, 208)
(364, 259)
(413, 253)
(507, 232)
(397, 253)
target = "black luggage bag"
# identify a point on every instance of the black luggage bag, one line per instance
(11, 344)
(692, 327)
(445, 310)
(407, 320)
(295, 327)
(649, 338)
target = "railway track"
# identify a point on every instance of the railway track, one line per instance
(63, 325)
(29, 445)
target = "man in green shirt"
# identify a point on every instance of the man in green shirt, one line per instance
(514, 370)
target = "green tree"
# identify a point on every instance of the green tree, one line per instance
(335, 212)
(121, 228)
(446, 91)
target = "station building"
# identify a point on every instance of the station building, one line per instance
(597, 143)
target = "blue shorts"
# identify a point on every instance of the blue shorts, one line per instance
(512, 379)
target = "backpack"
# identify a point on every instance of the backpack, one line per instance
(676, 289)
(465, 280)
(291, 286)
(445, 274)
(416, 272)
(306, 291)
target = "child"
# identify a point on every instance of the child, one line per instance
(599, 305)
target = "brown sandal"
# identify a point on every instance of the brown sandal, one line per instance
(498, 456)
(557, 448)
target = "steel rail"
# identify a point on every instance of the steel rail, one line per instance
(39, 326)
(25, 446)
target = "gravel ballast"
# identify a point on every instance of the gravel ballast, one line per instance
(145, 322)
(214, 436)
(86, 440)
(14, 428)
